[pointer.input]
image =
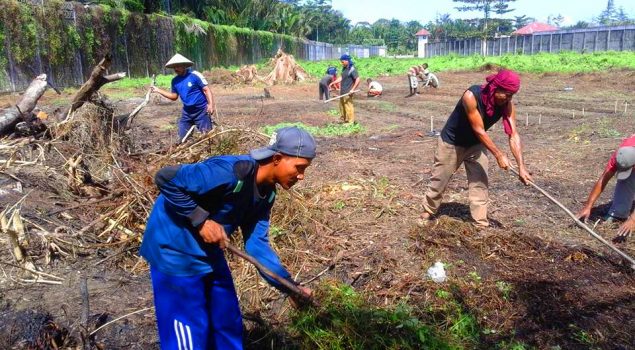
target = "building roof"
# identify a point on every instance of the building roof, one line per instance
(535, 27)
(422, 32)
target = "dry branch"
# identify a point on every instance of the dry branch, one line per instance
(143, 104)
(94, 83)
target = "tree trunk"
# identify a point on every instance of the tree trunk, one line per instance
(94, 83)
(29, 100)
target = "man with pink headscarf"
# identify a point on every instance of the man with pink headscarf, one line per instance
(464, 140)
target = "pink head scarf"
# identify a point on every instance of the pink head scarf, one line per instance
(506, 80)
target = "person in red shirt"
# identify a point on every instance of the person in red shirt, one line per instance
(621, 165)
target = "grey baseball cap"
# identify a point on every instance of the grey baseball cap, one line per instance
(625, 159)
(292, 141)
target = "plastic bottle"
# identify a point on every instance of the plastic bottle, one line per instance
(437, 273)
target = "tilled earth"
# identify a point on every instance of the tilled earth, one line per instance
(532, 277)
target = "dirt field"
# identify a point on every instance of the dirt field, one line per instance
(363, 195)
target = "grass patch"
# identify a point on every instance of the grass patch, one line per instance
(345, 321)
(333, 112)
(564, 62)
(387, 106)
(606, 129)
(328, 130)
(163, 81)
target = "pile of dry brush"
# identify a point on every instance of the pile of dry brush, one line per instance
(75, 186)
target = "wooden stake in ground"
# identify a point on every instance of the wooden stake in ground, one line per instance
(11, 116)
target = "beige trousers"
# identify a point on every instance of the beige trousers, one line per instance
(347, 111)
(447, 160)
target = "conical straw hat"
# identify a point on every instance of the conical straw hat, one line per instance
(178, 60)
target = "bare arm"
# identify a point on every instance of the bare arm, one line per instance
(356, 84)
(209, 96)
(339, 79)
(516, 147)
(599, 186)
(167, 94)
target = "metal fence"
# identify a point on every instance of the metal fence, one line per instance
(621, 38)
(317, 51)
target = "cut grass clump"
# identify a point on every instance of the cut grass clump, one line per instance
(345, 321)
(328, 130)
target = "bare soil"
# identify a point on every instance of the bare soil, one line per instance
(360, 201)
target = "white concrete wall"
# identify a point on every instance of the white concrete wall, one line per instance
(422, 41)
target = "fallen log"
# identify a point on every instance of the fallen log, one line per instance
(13, 115)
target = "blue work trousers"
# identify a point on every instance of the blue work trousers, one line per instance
(197, 312)
(623, 197)
(199, 117)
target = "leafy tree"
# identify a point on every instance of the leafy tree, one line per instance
(555, 20)
(488, 7)
(521, 21)
(609, 15)
(623, 18)
(578, 25)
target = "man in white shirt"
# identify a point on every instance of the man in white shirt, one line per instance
(374, 88)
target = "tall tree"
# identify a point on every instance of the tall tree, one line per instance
(623, 18)
(521, 21)
(555, 20)
(609, 15)
(487, 7)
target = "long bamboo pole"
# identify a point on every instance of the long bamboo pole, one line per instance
(340, 96)
(580, 223)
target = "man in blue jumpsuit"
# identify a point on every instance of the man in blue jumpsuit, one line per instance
(197, 98)
(199, 205)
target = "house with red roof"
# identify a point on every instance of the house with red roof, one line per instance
(535, 27)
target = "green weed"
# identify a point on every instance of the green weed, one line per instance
(443, 294)
(475, 276)
(167, 127)
(328, 130)
(333, 112)
(276, 231)
(505, 289)
(606, 129)
(339, 205)
(345, 321)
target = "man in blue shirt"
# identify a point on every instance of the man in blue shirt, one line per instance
(199, 205)
(197, 98)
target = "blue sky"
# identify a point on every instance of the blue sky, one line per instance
(426, 10)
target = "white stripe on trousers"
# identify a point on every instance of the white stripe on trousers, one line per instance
(180, 336)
